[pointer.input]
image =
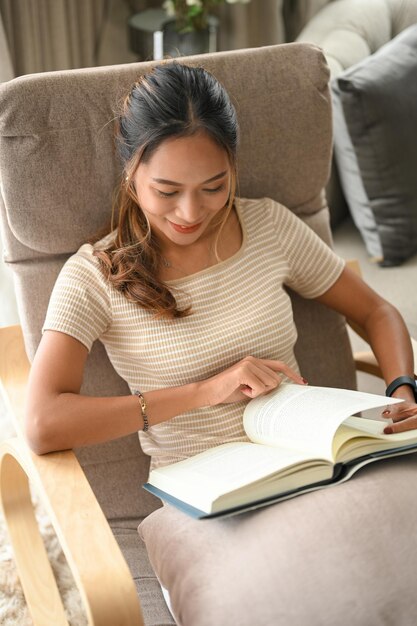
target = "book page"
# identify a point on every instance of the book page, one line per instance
(358, 436)
(204, 477)
(305, 417)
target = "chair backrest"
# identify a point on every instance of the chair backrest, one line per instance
(58, 170)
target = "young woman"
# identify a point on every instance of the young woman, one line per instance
(187, 293)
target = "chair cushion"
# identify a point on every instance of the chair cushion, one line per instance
(343, 555)
(375, 128)
(56, 129)
(284, 108)
(58, 171)
(154, 609)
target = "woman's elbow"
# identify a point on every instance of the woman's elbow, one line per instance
(384, 312)
(37, 432)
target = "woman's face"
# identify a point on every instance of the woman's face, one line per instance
(183, 187)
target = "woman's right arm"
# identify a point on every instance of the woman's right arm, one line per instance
(58, 417)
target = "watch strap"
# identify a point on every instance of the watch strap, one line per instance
(398, 382)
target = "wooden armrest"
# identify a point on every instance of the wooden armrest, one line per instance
(97, 564)
(14, 373)
(366, 361)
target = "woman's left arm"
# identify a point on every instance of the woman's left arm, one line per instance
(388, 337)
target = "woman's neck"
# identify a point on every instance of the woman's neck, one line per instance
(211, 248)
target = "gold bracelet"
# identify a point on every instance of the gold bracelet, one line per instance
(143, 409)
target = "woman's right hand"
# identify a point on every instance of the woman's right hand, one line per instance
(59, 417)
(246, 379)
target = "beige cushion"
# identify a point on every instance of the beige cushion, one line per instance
(66, 119)
(340, 556)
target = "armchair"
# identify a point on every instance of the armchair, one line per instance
(58, 171)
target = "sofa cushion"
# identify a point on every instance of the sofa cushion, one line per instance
(375, 126)
(343, 555)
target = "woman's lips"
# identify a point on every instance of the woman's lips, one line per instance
(185, 229)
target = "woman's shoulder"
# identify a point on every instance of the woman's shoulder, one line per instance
(84, 263)
(261, 204)
(80, 303)
(86, 253)
(83, 258)
(271, 211)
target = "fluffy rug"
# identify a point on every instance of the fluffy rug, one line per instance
(13, 608)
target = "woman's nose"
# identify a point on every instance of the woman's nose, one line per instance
(189, 209)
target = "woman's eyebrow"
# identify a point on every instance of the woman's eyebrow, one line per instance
(164, 181)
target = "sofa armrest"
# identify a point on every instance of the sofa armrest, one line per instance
(97, 564)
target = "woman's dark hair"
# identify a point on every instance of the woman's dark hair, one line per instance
(174, 100)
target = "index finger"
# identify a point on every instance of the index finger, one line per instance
(400, 427)
(280, 366)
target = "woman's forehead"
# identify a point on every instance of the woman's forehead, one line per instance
(196, 156)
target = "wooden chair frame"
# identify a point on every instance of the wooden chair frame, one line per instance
(104, 580)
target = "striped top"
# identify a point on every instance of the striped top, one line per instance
(239, 308)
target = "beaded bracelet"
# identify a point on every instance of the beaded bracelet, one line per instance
(143, 409)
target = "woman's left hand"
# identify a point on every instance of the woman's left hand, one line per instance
(404, 416)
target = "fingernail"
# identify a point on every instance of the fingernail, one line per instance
(388, 430)
(305, 381)
(386, 412)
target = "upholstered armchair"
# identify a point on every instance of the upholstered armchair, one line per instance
(339, 556)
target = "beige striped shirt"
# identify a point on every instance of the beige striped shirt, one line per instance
(240, 308)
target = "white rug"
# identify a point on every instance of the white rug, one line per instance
(13, 608)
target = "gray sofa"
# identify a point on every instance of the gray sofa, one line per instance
(374, 73)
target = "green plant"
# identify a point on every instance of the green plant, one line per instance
(192, 15)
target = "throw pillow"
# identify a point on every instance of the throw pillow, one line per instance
(375, 130)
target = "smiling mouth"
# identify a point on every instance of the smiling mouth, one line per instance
(185, 229)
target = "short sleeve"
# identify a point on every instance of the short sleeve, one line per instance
(80, 305)
(313, 267)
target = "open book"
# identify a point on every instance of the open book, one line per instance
(301, 438)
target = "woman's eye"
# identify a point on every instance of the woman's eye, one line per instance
(166, 194)
(170, 194)
(215, 190)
